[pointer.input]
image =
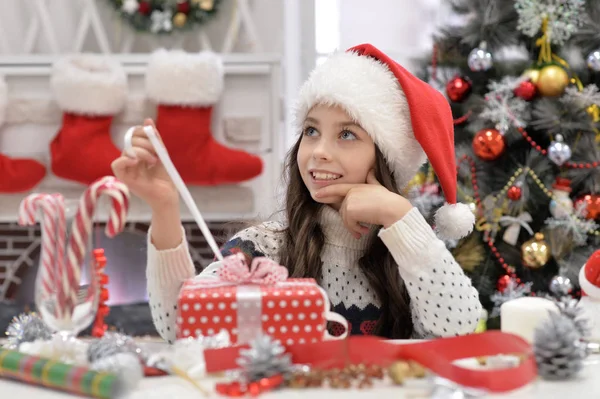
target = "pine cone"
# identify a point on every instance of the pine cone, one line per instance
(111, 344)
(264, 359)
(559, 353)
(569, 307)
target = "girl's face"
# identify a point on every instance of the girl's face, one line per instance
(333, 150)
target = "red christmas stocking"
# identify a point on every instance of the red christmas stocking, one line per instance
(90, 89)
(16, 175)
(19, 175)
(186, 87)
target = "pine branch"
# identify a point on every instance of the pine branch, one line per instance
(588, 35)
(555, 116)
(492, 21)
(585, 151)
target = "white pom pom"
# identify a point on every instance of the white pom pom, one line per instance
(454, 221)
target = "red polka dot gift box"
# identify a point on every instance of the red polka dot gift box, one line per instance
(246, 301)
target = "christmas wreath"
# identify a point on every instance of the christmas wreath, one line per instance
(166, 16)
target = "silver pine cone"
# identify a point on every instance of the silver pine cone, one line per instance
(265, 358)
(558, 349)
(569, 307)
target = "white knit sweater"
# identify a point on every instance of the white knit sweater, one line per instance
(443, 301)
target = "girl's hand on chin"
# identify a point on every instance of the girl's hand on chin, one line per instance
(368, 203)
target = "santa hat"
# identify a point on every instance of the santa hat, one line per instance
(589, 276)
(408, 120)
(562, 184)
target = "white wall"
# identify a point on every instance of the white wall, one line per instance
(401, 28)
(16, 16)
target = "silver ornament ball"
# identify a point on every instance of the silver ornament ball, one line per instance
(559, 152)
(480, 59)
(593, 60)
(560, 286)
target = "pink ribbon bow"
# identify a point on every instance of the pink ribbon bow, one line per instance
(262, 270)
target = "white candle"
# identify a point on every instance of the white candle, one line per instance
(521, 316)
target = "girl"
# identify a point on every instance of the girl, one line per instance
(365, 126)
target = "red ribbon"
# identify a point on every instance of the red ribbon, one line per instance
(436, 355)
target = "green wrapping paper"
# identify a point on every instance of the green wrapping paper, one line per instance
(79, 380)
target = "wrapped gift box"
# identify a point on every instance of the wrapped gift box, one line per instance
(293, 311)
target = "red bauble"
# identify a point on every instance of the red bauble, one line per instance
(526, 90)
(514, 193)
(488, 144)
(503, 283)
(458, 88)
(144, 8)
(593, 205)
(183, 7)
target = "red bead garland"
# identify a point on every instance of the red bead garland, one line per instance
(99, 327)
(568, 164)
(254, 388)
(510, 271)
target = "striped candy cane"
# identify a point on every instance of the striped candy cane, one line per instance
(51, 239)
(83, 223)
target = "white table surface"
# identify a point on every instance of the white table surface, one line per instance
(585, 385)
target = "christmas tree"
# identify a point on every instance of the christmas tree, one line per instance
(522, 79)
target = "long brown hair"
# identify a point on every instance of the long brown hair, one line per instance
(304, 241)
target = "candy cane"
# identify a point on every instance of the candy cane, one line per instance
(28, 210)
(83, 222)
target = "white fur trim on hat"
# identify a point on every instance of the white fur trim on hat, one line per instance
(3, 99)
(454, 221)
(587, 286)
(371, 95)
(176, 77)
(90, 84)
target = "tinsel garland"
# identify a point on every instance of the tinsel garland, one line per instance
(26, 327)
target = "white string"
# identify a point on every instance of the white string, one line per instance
(181, 187)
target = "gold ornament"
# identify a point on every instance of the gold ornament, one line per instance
(532, 74)
(179, 19)
(552, 81)
(594, 112)
(535, 252)
(417, 181)
(206, 5)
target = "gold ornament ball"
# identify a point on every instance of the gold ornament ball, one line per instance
(179, 19)
(532, 74)
(553, 81)
(535, 252)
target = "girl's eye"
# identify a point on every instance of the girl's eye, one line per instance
(310, 131)
(348, 135)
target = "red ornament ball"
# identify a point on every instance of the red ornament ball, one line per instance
(592, 207)
(488, 144)
(526, 90)
(144, 7)
(514, 193)
(183, 7)
(503, 283)
(458, 88)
